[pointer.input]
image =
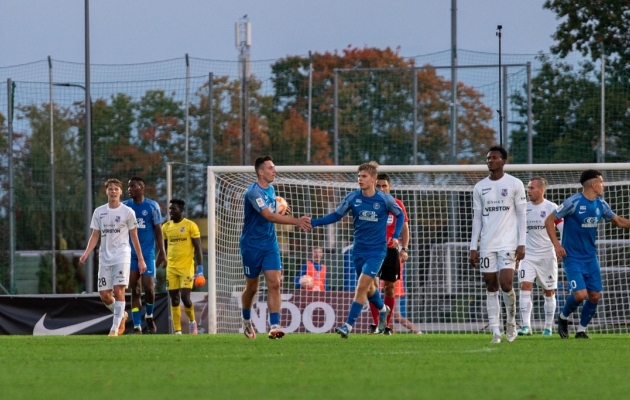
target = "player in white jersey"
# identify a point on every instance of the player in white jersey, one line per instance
(540, 264)
(115, 223)
(499, 217)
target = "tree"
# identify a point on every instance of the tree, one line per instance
(587, 25)
(376, 107)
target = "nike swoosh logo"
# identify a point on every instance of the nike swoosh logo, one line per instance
(581, 212)
(41, 330)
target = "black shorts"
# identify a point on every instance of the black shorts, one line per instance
(390, 270)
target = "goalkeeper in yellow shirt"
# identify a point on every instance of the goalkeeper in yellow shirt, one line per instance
(182, 240)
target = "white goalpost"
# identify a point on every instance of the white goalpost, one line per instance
(442, 292)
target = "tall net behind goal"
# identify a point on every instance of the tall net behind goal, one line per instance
(442, 292)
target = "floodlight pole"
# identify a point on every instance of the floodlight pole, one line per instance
(499, 27)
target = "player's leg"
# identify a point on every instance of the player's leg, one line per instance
(360, 297)
(373, 310)
(371, 267)
(398, 317)
(390, 274)
(547, 279)
(489, 269)
(507, 263)
(105, 287)
(593, 288)
(148, 284)
(272, 268)
(120, 281)
(526, 277)
(136, 293)
(251, 271)
(173, 284)
(575, 278)
(189, 308)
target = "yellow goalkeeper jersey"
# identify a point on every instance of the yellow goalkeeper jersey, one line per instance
(180, 250)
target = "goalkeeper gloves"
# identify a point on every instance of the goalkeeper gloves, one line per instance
(199, 279)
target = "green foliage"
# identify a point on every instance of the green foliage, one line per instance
(315, 366)
(70, 275)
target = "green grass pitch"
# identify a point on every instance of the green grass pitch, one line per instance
(310, 366)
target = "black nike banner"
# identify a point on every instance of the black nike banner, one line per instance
(79, 314)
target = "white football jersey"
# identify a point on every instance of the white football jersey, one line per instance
(497, 202)
(538, 243)
(114, 225)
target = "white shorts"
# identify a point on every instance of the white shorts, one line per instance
(113, 275)
(494, 261)
(543, 270)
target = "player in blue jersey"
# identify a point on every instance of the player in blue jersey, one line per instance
(149, 233)
(370, 210)
(259, 246)
(581, 213)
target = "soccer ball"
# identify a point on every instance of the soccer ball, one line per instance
(281, 205)
(306, 281)
(199, 281)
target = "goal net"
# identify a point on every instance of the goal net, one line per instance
(442, 292)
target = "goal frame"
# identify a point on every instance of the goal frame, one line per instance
(212, 171)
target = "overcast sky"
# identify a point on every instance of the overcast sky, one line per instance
(134, 31)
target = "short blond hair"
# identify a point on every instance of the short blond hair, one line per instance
(370, 167)
(114, 181)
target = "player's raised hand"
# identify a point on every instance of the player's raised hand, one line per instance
(473, 258)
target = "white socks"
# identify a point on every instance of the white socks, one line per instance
(550, 309)
(492, 304)
(509, 299)
(110, 307)
(526, 306)
(119, 310)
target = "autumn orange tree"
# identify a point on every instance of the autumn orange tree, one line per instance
(376, 107)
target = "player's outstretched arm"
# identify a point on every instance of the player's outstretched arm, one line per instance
(327, 219)
(91, 245)
(304, 222)
(620, 222)
(550, 227)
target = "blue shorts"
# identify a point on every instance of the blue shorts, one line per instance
(583, 274)
(255, 261)
(369, 263)
(150, 262)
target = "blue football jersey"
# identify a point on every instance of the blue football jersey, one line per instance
(581, 217)
(370, 216)
(258, 233)
(148, 216)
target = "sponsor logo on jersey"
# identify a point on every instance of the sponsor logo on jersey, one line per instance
(582, 207)
(376, 206)
(174, 240)
(535, 227)
(366, 215)
(145, 212)
(504, 192)
(589, 222)
(497, 208)
(111, 231)
(358, 201)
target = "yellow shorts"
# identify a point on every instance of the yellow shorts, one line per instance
(179, 278)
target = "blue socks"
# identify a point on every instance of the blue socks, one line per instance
(136, 316)
(377, 300)
(570, 306)
(588, 310)
(274, 318)
(247, 314)
(355, 311)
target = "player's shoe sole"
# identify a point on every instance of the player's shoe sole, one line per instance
(525, 331)
(382, 319)
(342, 331)
(581, 335)
(563, 328)
(248, 329)
(276, 333)
(121, 327)
(496, 339)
